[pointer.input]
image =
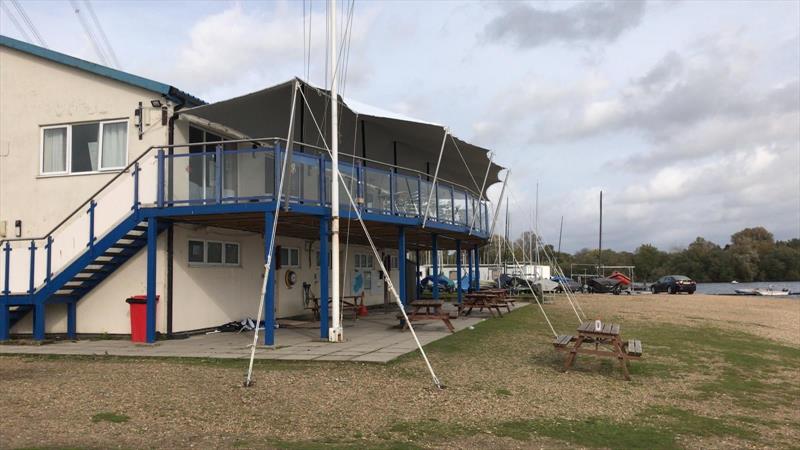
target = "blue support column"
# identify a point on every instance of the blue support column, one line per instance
(435, 261)
(470, 274)
(71, 319)
(152, 240)
(401, 264)
(269, 295)
(38, 321)
(458, 272)
(477, 269)
(416, 275)
(324, 288)
(4, 319)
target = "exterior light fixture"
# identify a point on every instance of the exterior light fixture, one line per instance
(18, 228)
(156, 103)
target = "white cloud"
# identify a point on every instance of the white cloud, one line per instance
(244, 49)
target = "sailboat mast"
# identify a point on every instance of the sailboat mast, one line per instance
(600, 239)
(536, 225)
(335, 332)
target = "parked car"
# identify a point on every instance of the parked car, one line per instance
(674, 284)
(571, 284)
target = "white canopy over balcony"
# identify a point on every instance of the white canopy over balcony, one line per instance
(365, 132)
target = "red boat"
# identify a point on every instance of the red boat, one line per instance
(621, 277)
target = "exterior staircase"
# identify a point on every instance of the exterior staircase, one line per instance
(87, 271)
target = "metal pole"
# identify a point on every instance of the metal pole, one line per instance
(600, 240)
(335, 334)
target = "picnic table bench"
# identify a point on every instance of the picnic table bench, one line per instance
(607, 336)
(433, 310)
(346, 302)
(492, 301)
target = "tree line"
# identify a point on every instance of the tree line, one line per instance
(752, 254)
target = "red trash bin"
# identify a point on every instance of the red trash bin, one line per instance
(139, 317)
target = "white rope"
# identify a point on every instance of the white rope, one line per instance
(499, 203)
(561, 276)
(435, 176)
(539, 303)
(480, 194)
(452, 138)
(271, 251)
(572, 301)
(387, 279)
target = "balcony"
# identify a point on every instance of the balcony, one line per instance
(230, 176)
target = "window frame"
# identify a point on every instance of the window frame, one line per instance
(68, 150)
(223, 254)
(288, 264)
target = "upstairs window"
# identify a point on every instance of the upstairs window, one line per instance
(84, 148)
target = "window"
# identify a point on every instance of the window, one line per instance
(290, 257)
(231, 253)
(84, 148)
(363, 261)
(214, 253)
(367, 280)
(197, 252)
(394, 263)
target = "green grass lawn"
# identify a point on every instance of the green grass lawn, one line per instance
(695, 387)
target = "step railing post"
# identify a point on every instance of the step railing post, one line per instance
(5, 321)
(31, 275)
(391, 193)
(7, 274)
(322, 182)
(218, 174)
(135, 175)
(49, 262)
(160, 180)
(92, 206)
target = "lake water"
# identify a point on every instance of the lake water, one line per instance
(728, 288)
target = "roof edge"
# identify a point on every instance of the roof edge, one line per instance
(166, 90)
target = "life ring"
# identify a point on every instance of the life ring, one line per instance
(290, 278)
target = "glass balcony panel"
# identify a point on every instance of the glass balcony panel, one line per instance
(303, 179)
(425, 194)
(350, 175)
(256, 173)
(406, 194)
(445, 203)
(460, 207)
(377, 190)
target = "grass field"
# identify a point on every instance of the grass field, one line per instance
(707, 380)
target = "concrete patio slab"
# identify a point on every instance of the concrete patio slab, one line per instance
(375, 338)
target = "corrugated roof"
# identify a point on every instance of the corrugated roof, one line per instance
(168, 91)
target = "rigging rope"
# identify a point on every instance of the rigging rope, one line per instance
(387, 279)
(573, 301)
(271, 251)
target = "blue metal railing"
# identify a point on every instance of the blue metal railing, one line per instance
(252, 175)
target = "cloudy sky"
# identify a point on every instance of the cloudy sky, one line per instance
(686, 114)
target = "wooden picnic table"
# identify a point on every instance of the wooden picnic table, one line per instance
(426, 310)
(349, 302)
(492, 301)
(607, 337)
